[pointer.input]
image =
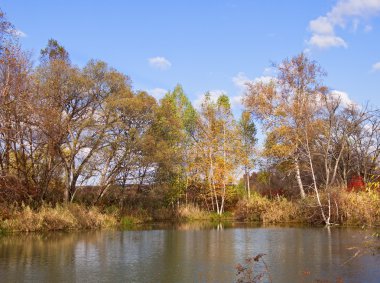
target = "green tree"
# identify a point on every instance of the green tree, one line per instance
(247, 132)
(174, 124)
(54, 51)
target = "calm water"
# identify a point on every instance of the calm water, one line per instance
(186, 254)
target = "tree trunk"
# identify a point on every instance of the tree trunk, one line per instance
(248, 183)
(66, 197)
(325, 219)
(211, 182)
(299, 180)
(224, 169)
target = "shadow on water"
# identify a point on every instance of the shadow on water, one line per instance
(186, 252)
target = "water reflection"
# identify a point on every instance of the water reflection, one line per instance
(185, 253)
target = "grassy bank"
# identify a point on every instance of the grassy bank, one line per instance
(60, 217)
(346, 208)
(79, 217)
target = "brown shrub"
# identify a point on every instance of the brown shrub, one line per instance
(12, 190)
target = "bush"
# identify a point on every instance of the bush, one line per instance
(12, 190)
(282, 210)
(252, 209)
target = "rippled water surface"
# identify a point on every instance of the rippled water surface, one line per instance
(187, 253)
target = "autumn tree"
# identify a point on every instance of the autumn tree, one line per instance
(7, 31)
(8, 64)
(77, 120)
(216, 157)
(285, 106)
(125, 157)
(247, 132)
(360, 157)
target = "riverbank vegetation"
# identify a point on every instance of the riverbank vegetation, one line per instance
(60, 217)
(80, 148)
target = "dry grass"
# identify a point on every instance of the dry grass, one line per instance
(139, 215)
(361, 208)
(60, 217)
(190, 212)
(348, 208)
(282, 210)
(261, 209)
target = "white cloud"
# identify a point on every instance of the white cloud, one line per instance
(157, 93)
(264, 79)
(270, 71)
(307, 51)
(241, 80)
(343, 96)
(236, 101)
(321, 25)
(344, 12)
(19, 33)
(376, 67)
(353, 8)
(326, 41)
(159, 63)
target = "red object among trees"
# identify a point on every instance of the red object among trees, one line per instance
(356, 184)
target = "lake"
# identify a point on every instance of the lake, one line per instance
(187, 253)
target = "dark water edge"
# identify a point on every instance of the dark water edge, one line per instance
(188, 252)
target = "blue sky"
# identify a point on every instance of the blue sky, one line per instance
(211, 45)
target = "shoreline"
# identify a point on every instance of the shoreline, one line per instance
(75, 217)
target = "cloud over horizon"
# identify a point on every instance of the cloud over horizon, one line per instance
(345, 13)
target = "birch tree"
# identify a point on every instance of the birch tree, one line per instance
(215, 143)
(247, 133)
(281, 105)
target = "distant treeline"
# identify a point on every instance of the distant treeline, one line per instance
(63, 127)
